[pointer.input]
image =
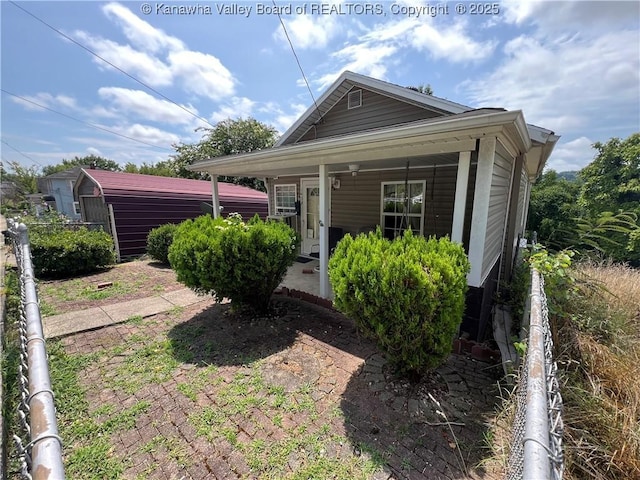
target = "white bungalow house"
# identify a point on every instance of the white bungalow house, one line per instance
(373, 153)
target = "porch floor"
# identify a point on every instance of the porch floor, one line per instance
(304, 277)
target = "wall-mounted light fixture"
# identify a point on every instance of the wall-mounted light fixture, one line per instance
(335, 182)
(354, 169)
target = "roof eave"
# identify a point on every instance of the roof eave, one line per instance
(380, 86)
(439, 132)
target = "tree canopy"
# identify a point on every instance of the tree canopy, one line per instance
(228, 137)
(597, 211)
(88, 160)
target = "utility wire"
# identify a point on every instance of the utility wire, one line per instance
(111, 64)
(22, 153)
(304, 77)
(83, 122)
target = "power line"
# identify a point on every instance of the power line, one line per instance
(72, 40)
(93, 125)
(22, 153)
(304, 77)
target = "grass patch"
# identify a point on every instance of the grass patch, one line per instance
(88, 451)
(171, 446)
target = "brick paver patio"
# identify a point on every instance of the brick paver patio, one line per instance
(269, 398)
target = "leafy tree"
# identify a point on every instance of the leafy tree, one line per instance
(426, 89)
(161, 169)
(553, 209)
(229, 137)
(88, 160)
(610, 193)
(25, 178)
(611, 183)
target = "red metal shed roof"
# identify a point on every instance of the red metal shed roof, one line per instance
(134, 184)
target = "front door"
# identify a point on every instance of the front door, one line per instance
(310, 215)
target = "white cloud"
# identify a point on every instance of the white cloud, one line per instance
(309, 32)
(571, 156)
(280, 119)
(560, 83)
(375, 49)
(202, 74)
(367, 59)
(46, 100)
(141, 104)
(147, 133)
(144, 66)
(158, 59)
(94, 151)
(452, 43)
(553, 17)
(237, 107)
(140, 33)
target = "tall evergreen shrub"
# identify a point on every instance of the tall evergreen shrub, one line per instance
(229, 258)
(407, 294)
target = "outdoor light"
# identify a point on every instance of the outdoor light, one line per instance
(354, 169)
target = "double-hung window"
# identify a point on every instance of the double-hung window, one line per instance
(402, 207)
(285, 198)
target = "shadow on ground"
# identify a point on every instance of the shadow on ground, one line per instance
(396, 423)
(434, 429)
(220, 336)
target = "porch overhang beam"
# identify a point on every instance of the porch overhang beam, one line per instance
(447, 135)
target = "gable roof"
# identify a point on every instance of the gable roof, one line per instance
(132, 184)
(345, 83)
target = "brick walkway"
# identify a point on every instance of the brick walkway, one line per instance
(274, 398)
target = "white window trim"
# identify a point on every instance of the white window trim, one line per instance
(76, 208)
(276, 208)
(412, 215)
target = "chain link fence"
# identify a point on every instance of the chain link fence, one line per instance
(536, 446)
(39, 447)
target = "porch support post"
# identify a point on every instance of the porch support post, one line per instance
(215, 198)
(459, 207)
(325, 220)
(480, 217)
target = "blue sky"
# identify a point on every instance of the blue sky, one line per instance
(572, 67)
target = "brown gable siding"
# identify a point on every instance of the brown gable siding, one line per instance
(376, 111)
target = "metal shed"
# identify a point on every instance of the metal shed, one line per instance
(129, 205)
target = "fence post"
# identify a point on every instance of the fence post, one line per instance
(536, 434)
(46, 445)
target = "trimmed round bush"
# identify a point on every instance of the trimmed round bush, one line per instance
(158, 242)
(66, 252)
(408, 295)
(229, 258)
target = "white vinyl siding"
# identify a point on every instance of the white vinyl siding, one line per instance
(498, 202)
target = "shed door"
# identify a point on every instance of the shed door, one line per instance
(95, 210)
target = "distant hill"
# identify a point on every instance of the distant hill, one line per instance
(569, 176)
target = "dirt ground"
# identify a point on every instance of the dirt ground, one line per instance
(129, 281)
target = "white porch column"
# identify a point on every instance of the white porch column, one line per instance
(459, 207)
(215, 198)
(479, 220)
(325, 221)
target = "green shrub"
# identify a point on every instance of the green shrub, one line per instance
(228, 258)
(62, 253)
(407, 294)
(159, 240)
